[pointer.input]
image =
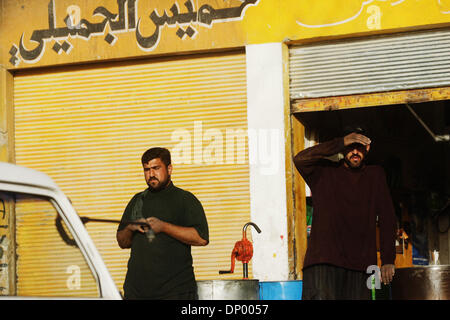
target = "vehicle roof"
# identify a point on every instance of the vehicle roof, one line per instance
(15, 174)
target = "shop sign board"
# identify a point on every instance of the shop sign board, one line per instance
(52, 32)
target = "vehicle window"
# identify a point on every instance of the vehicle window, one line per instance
(49, 263)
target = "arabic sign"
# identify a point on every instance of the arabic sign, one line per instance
(66, 31)
(62, 30)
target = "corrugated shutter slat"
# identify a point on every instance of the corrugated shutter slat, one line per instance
(373, 64)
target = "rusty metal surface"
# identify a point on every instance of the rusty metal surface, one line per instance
(370, 99)
(422, 283)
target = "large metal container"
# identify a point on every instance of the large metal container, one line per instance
(228, 290)
(421, 283)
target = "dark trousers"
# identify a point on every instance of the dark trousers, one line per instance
(327, 282)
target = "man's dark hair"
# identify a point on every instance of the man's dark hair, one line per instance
(157, 152)
(356, 128)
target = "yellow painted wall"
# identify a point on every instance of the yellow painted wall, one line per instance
(298, 20)
(215, 24)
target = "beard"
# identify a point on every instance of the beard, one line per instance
(158, 186)
(351, 164)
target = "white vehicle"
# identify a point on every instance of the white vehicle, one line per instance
(46, 267)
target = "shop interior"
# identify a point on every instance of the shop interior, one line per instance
(411, 142)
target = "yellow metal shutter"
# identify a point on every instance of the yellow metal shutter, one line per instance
(87, 127)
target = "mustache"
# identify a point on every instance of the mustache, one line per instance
(355, 155)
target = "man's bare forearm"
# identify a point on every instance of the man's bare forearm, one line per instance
(125, 238)
(186, 235)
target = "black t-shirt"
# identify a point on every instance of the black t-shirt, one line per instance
(163, 267)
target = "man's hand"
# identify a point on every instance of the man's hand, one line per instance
(387, 273)
(356, 138)
(156, 224)
(138, 227)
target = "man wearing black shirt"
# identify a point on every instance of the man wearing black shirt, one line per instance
(348, 196)
(160, 264)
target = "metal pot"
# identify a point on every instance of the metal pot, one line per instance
(228, 290)
(422, 283)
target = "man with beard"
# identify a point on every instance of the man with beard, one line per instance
(172, 220)
(348, 198)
